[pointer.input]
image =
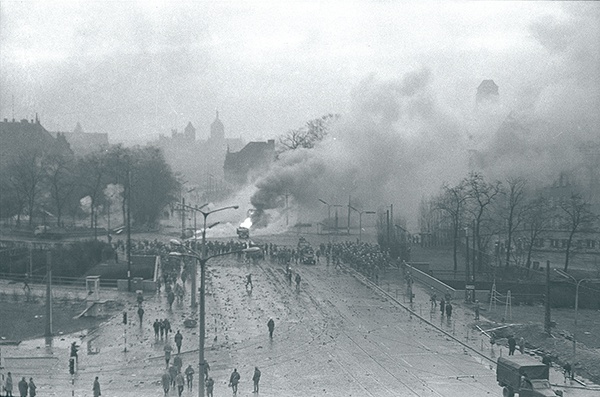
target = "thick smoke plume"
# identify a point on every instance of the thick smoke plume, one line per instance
(399, 142)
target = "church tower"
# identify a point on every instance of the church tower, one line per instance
(217, 130)
(189, 132)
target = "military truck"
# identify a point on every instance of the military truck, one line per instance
(307, 255)
(525, 376)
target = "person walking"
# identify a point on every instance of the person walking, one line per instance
(298, 279)
(96, 388)
(512, 344)
(167, 324)
(189, 376)
(170, 299)
(210, 383)
(442, 306)
(166, 382)
(178, 362)
(180, 383)
(156, 327)
(256, 379)
(522, 345)
(433, 301)
(271, 326)
(141, 314)
(168, 349)
(8, 385)
(23, 386)
(32, 388)
(234, 379)
(178, 339)
(449, 310)
(161, 327)
(173, 374)
(249, 282)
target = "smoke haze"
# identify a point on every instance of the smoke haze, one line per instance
(400, 142)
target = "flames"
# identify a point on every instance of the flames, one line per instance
(247, 223)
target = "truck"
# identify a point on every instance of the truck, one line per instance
(525, 376)
(307, 255)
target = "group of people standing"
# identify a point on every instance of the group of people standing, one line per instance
(25, 388)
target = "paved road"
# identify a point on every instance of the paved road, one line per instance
(336, 336)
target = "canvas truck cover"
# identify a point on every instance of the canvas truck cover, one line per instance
(510, 369)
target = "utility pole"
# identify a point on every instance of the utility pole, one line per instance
(387, 216)
(183, 217)
(128, 227)
(48, 293)
(547, 319)
(467, 267)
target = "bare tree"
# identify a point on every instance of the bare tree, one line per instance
(483, 195)
(60, 180)
(536, 220)
(513, 210)
(26, 174)
(577, 217)
(306, 137)
(453, 202)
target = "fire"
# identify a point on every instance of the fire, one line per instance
(247, 223)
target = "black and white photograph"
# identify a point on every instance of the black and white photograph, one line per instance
(299, 198)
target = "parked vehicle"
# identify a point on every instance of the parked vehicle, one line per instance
(525, 376)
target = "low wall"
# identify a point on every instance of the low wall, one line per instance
(441, 289)
(136, 285)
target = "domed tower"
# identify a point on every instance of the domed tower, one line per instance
(217, 130)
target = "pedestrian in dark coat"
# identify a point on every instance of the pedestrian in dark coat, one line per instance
(210, 383)
(234, 379)
(271, 326)
(512, 344)
(141, 314)
(189, 376)
(442, 306)
(298, 279)
(161, 327)
(172, 374)
(32, 388)
(178, 339)
(178, 362)
(23, 386)
(156, 326)
(8, 385)
(167, 327)
(96, 388)
(449, 310)
(256, 379)
(166, 382)
(168, 349)
(180, 383)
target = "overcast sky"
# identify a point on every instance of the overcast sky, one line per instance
(135, 69)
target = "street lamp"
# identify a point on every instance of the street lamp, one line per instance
(360, 213)
(203, 259)
(194, 271)
(328, 212)
(577, 284)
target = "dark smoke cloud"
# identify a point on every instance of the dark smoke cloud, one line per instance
(396, 143)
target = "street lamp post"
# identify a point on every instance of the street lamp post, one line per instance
(360, 213)
(201, 320)
(577, 284)
(195, 268)
(328, 212)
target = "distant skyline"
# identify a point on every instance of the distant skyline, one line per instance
(137, 69)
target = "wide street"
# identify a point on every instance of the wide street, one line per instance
(336, 336)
